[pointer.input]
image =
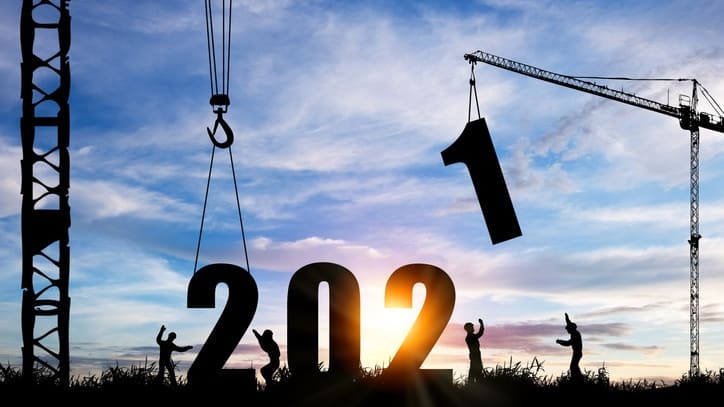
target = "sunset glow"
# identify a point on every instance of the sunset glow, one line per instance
(340, 112)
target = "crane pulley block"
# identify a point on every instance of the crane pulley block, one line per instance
(219, 99)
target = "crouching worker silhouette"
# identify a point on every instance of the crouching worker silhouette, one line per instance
(576, 345)
(269, 346)
(472, 339)
(164, 360)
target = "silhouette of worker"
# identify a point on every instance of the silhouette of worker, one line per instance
(269, 346)
(472, 339)
(576, 345)
(164, 360)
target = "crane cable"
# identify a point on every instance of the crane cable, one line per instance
(225, 49)
(220, 103)
(710, 99)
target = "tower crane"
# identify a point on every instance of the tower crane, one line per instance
(689, 119)
(45, 185)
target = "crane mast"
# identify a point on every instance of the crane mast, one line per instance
(689, 119)
(694, 241)
(45, 168)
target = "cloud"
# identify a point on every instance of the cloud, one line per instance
(276, 256)
(655, 214)
(534, 338)
(10, 58)
(10, 198)
(605, 273)
(711, 313)
(99, 199)
(625, 309)
(263, 7)
(650, 350)
(531, 181)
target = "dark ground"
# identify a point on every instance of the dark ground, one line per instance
(352, 394)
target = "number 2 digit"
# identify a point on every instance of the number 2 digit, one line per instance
(432, 320)
(233, 322)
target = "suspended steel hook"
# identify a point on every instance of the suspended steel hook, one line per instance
(224, 126)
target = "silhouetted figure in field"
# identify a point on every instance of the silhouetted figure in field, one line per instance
(164, 360)
(269, 346)
(576, 345)
(472, 339)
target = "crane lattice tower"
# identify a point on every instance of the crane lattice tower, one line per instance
(45, 169)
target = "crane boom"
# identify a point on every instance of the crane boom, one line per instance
(683, 112)
(689, 119)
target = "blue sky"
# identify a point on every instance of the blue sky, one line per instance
(340, 111)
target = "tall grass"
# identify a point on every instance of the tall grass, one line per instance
(708, 378)
(511, 375)
(141, 375)
(118, 376)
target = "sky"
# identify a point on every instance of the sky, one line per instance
(340, 111)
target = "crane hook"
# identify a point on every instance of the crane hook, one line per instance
(224, 126)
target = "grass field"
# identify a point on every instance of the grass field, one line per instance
(515, 384)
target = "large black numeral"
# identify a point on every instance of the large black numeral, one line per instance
(303, 324)
(432, 320)
(475, 149)
(231, 325)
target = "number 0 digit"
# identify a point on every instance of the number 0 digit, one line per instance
(303, 324)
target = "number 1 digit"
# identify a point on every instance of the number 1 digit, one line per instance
(475, 149)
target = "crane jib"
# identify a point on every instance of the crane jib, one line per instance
(687, 119)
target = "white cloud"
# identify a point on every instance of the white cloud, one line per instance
(10, 198)
(653, 215)
(292, 255)
(263, 7)
(10, 58)
(105, 199)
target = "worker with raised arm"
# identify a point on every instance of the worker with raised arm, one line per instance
(166, 347)
(472, 339)
(576, 344)
(268, 345)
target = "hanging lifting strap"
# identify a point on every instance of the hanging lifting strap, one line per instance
(473, 89)
(238, 208)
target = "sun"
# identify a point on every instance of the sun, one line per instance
(384, 329)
